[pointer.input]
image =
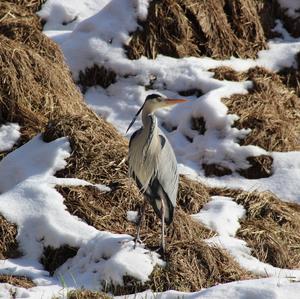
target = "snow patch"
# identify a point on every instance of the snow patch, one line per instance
(106, 259)
(9, 135)
(292, 6)
(132, 216)
(222, 215)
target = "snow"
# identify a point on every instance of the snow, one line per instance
(284, 182)
(132, 216)
(292, 7)
(222, 215)
(107, 258)
(9, 135)
(269, 288)
(94, 32)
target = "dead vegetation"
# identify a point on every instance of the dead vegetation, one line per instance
(217, 29)
(96, 76)
(8, 243)
(204, 266)
(11, 12)
(31, 6)
(82, 294)
(271, 227)
(270, 110)
(18, 281)
(291, 76)
(53, 258)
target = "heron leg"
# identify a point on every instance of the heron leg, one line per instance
(163, 245)
(139, 224)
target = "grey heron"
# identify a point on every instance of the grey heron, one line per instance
(152, 163)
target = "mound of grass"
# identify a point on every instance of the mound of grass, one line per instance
(270, 110)
(217, 29)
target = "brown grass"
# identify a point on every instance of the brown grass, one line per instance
(291, 76)
(10, 11)
(53, 258)
(204, 266)
(260, 167)
(229, 74)
(34, 87)
(81, 294)
(30, 5)
(18, 281)
(8, 243)
(96, 76)
(217, 29)
(270, 109)
(271, 227)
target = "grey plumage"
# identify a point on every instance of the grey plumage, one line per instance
(152, 162)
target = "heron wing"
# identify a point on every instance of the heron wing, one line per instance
(134, 135)
(164, 184)
(167, 170)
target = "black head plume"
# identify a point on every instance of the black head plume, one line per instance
(135, 117)
(152, 96)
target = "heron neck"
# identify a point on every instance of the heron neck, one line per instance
(149, 123)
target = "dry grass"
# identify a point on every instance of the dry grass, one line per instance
(217, 29)
(8, 243)
(271, 227)
(34, 87)
(53, 258)
(203, 265)
(18, 281)
(30, 5)
(270, 109)
(260, 167)
(96, 76)
(291, 76)
(10, 11)
(229, 74)
(81, 294)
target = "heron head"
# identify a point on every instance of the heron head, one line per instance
(154, 102)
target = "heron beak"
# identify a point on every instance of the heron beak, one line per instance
(169, 101)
